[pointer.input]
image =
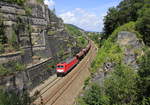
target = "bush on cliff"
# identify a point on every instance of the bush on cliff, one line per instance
(20, 2)
(12, 98)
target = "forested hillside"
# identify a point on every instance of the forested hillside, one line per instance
(78, 34)
(137, 11)
(120, 74)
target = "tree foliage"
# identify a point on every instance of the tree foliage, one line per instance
(123, 86)
(120, 88)
(12, 98)
(143, 23)
(125, 12)
(77, 34)
(94, 96)
(111, 17)
(144, 74)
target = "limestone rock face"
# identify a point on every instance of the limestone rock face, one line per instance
(39, 34)
(132, 47)
(33, 29)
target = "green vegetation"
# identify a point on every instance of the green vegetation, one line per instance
(96, 37)
(143, 23)
(144, 81)
(126, 27)
(3, 38)
(40, 1)
(124, 85)
(137, 11)
(8, 45)
(28, 10)
(12, 98)
(3, 70)
(86, 82)
(11, 67)
(93, 97)
(119, 88)
(109, 52)
(19, 2)
(78, 35)
(13, 41)
(52, 32)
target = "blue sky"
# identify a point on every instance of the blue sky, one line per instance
(86, 14)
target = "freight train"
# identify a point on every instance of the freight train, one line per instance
(66, 66)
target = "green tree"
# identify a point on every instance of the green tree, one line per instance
(144, 82)
(94, 96)
(125, 12)
(12, 98)
(120, 87)
(111, 21)
(143, 23)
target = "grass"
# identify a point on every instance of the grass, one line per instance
(109, 52)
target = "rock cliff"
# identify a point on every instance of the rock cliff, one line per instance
(31, 35)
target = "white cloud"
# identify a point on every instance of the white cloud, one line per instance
(84, 19)
(50, 3)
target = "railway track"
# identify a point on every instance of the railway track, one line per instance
(51, 93)
(49, 85)
(64, 88)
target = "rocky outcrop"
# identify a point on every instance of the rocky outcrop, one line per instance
(29, 78)
(132, 47)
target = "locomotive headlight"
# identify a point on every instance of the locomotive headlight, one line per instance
(60, 70)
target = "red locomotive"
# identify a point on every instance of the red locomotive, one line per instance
(64, 67)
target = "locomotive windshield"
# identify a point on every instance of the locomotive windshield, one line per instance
(60, 66)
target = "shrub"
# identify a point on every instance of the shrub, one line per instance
(52, 32)
(19, 67)
(121, 86)
(3, 70)
(93, 96)
(12, 98)
(28, 10)
(86, 82)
